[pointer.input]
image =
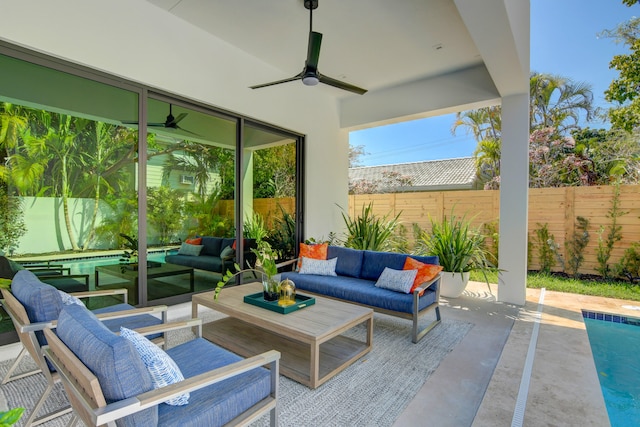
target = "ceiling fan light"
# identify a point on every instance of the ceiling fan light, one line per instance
(310, 80)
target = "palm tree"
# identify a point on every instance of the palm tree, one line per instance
(557, 102)
(13, 121)
(484, 123)
(487, 156)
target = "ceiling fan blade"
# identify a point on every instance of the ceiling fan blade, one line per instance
(313, 51)
(155, 124)
(277, 82)
(187, 131)
(341, 85)
(171, 123)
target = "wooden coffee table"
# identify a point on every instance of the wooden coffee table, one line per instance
(310, 341)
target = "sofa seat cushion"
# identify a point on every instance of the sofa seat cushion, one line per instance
(359, 291)
(111, 358)
(132, 322)
(201, 262)
(219, 403)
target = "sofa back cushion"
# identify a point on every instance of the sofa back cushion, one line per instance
(111, 358)
(375, 262)
(211, 246)
(349, 260)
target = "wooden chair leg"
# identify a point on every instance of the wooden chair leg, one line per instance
(33, 421)
(7, 378)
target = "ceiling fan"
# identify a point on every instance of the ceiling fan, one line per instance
(310, 75)
(171, 122)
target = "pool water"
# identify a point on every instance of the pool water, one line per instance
(615, 344)
(87, 265)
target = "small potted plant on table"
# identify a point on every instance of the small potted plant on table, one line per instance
(265, 266)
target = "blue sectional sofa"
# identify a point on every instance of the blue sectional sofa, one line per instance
(209, 258)
(357, 272)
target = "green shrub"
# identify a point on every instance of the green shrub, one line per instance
(546, 257)
(458, 246)
(576, 245)
(369, 232)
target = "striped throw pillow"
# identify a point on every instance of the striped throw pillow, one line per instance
(160, 365)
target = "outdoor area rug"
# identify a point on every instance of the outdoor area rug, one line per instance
(373, 391)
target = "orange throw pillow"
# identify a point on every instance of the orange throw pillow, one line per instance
(318, 251)
(426, 272)
(194, 241)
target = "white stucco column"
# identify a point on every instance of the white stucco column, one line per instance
(514, 194)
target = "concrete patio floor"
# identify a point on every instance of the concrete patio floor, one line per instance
(477, 384)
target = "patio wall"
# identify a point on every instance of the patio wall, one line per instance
(557, 207)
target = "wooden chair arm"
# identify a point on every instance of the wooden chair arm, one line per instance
(100, 293)
(134, 312)
(426, 285)
(171, 326)
(117, 410)
(286, 263)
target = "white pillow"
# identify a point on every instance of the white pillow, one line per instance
(397, 280)
(69, 299)
(160, 365)
(189, 249)
(319, 267)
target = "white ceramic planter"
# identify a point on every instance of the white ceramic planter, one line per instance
(453, 284)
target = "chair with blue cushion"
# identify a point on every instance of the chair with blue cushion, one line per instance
(34, 306)
(108, 383)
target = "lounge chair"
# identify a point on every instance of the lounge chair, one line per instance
(53, 274)
(106, 379)
(34, 306)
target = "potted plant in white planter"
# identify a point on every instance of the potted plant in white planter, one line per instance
(460, 249)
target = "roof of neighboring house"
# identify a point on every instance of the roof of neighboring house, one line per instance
(432, 175)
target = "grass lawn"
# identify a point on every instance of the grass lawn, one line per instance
(609, 289)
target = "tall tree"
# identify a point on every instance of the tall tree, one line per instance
(625, 90)
(483, 123)
(487, 156)
(355, 155)
(557, 102)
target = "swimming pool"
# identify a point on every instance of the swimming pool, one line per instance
(87, 265)
(615, 344)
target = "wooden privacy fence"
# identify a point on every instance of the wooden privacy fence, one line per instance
(556, 207)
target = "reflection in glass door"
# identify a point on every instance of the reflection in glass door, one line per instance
(270, 188)
(190, 195)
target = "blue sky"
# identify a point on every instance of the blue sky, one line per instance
(564, 41)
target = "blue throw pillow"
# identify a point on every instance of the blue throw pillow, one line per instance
(161, 367)
(227, 252)
(319, 267)
(190, 250)
(397, 280)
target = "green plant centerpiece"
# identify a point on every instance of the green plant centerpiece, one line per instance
(265, 266)
(459, 248)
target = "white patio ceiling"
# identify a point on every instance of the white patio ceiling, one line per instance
(471, 51)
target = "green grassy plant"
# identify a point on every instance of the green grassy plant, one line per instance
(608, 289)
(458, 246)
(368, 231)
